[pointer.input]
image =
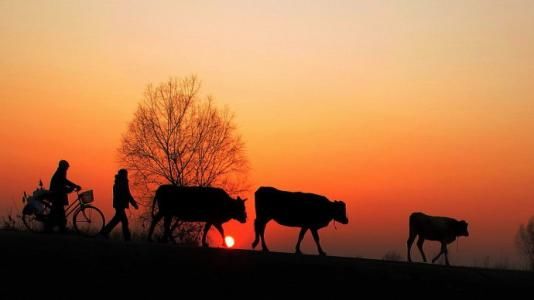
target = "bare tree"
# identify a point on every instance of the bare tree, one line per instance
(525, 242)
(179, 137)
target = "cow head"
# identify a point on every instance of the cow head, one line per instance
(340, 212)
(240, 213)
(461, 228)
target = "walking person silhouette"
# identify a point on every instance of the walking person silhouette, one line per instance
(122, 198)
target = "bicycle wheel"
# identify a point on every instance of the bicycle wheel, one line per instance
(88, 220)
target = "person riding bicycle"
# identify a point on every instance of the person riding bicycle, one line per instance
(60, 187)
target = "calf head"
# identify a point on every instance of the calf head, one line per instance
(239, 211)
(340, 212)
(461, 228)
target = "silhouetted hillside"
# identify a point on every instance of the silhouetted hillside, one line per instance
(52, 266)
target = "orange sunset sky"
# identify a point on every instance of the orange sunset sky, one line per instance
(391, 106)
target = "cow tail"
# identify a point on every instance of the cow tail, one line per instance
(154, 205)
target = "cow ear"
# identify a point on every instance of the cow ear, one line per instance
(244, 200)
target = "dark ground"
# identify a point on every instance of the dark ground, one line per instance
(40, 266)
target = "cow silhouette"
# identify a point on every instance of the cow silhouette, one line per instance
(195, 204)
(305, 210)
(442, 229)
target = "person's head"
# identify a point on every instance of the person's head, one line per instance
(123, 173)
(63, 165)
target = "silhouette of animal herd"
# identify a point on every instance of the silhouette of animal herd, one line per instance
(295, 209)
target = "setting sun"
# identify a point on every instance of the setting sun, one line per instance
(229, 241)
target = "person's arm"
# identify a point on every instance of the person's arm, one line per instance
(131, 198)
(72, 185)
(133, 202)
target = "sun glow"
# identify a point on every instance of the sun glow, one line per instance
(229, 241)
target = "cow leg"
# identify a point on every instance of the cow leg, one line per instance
(316, 238)
(442, 251)
(437, 256)
(420, 242)
(301, 236)
(262, 235)
(446, 252)
(155, 221)
(221, 231)
(259, 228)
(256, 234)
(166, 228)
(409, 243)
(205, 233)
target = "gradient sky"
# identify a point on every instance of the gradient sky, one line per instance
(391, 106)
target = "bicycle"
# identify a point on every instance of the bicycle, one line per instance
(87, 219)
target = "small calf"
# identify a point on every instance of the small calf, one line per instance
(442, 229)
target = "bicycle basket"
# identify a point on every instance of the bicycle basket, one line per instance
(87, 196)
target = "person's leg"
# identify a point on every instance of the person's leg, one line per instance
(62, 219)
(124, 221)
(51, 221)
(109, 226)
